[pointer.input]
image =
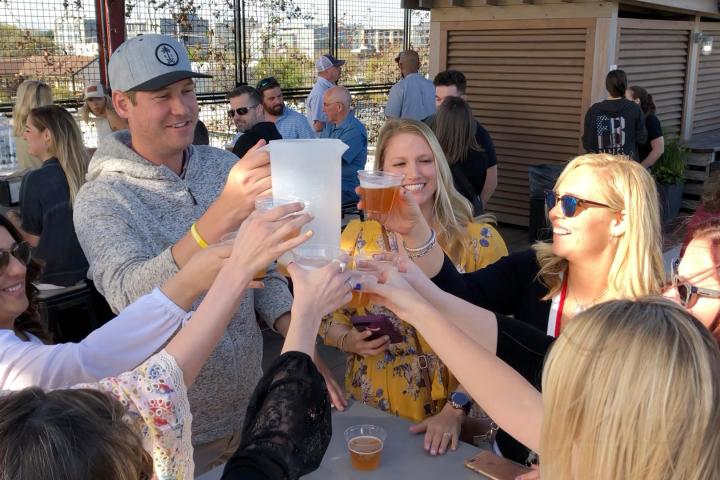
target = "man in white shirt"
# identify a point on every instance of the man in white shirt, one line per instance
(328, 70)
(414, 95)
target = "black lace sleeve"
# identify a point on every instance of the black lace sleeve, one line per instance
(287, 425)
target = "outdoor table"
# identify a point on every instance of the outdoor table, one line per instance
(403, 455)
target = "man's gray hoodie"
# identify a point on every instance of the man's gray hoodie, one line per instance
(127, 216)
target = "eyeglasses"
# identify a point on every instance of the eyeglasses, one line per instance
(241, 111)
(570, 204)
(689, 293)
(267, 82)
(20, 251)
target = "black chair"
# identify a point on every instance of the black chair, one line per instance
(71, 313)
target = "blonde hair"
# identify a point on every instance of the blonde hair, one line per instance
(30, 94)
(451, 211)
(631, 390)
(85, 111)
(66, 143)
(69, 434)
(637, 268)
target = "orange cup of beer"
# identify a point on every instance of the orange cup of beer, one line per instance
(379, 190)
(361, 265)
(365, 444)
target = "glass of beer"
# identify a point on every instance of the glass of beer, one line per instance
(267, 202)
(361, 265)
(311, 257)
(379, 190)
(365, 444)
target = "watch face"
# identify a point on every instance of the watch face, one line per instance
(459, 398)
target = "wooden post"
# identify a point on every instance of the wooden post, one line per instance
(691, 79)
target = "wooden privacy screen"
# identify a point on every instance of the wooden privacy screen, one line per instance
(707, 94)
(528, 84)
(654, 55)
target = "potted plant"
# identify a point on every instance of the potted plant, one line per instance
(669, 173)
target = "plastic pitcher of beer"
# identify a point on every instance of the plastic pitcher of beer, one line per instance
(311, 170)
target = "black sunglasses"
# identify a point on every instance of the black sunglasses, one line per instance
(241, 111)
(570, 204)
(21, 251)
(689, 293)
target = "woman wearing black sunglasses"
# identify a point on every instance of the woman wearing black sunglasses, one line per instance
(696, 274)
(606, 245)
(119, 345)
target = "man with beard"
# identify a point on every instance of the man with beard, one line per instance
(289, 123)
(248, 115)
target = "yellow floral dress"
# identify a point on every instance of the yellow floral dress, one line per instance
(392, 381)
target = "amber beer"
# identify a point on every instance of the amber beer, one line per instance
(379, 190)
(365, 452)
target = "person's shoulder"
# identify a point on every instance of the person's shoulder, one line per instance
(294, 114)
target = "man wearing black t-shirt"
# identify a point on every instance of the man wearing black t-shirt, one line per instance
(452, 83)
(615, 125)
(246, 111)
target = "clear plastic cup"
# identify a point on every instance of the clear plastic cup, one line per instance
(379, 190)
(311, 257)
(365, 445)
(267, 202)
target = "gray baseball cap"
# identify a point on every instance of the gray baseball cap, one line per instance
(149, 62)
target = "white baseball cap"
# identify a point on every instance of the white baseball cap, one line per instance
(94, 90)
(149, 62)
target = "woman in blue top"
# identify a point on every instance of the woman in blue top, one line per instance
(47, 194)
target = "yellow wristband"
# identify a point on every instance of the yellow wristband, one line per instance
(200, 241)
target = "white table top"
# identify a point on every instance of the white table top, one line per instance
(403, 454)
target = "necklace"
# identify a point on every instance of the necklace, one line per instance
(581, 307)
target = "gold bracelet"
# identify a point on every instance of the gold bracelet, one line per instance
(200, 241)
(341, 341)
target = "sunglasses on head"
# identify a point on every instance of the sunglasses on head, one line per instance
(21, 251)
(240, 111)
(689, 293)
(570, 204)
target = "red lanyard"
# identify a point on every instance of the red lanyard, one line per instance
(561, 304)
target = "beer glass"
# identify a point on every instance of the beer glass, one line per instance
(379, 190)
(262, 205)
(361, 265)
(365, 444)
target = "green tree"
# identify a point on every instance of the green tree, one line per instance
(24, 42)
(287, 67)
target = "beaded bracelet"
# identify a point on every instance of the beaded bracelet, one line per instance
(422, 250)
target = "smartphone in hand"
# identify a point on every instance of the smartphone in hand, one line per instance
(380, 325)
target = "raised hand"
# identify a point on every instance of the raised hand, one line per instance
(249, 178)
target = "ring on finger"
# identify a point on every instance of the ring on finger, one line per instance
(349, 283)
(447, 434)
(340, 264)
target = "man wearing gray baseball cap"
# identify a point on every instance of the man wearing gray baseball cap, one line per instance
(152, 199)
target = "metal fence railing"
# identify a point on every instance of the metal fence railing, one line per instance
(237, 41)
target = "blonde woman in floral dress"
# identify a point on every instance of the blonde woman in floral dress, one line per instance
(389, 376)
